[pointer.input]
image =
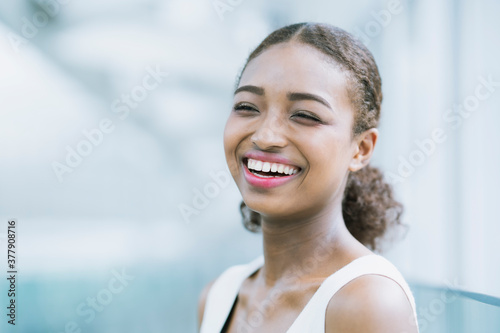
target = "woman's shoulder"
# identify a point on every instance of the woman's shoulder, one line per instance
(372, 303)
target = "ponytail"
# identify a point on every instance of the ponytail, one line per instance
(369, 208)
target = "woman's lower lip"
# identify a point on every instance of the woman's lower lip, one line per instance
(265, 182)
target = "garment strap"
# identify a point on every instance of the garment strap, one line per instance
(222, 294)
(312, 317)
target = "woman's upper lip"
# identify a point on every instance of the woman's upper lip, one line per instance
(269, 157)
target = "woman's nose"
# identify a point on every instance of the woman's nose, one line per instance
(270, 133)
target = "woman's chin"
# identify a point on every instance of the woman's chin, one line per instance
(269, 212)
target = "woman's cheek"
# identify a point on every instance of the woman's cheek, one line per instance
(229, 132)
(231, 138)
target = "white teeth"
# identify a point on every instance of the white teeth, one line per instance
(257, 166)
(271, 167)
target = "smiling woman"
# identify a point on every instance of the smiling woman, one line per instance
(298, 143)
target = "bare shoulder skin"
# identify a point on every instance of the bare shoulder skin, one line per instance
(370, 303)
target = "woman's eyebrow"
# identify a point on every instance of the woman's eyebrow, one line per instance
(292, 96)
(252, 89)
(300, 96)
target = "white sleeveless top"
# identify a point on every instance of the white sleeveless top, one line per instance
(222, 295)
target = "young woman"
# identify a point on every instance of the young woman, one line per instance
(298, 143)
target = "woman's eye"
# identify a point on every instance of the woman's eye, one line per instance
(308, 117)
(244, 107)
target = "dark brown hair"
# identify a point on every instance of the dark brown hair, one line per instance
(368, 206)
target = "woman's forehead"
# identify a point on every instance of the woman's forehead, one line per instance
(295, 67)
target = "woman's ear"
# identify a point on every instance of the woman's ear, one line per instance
(363, 149)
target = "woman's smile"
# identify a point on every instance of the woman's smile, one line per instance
(266, 170)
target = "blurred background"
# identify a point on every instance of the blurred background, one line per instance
(112, 163)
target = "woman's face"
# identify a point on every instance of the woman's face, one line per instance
(291, 109)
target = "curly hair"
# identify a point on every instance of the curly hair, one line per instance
(368, 206)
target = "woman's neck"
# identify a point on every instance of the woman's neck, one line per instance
(307, 248)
